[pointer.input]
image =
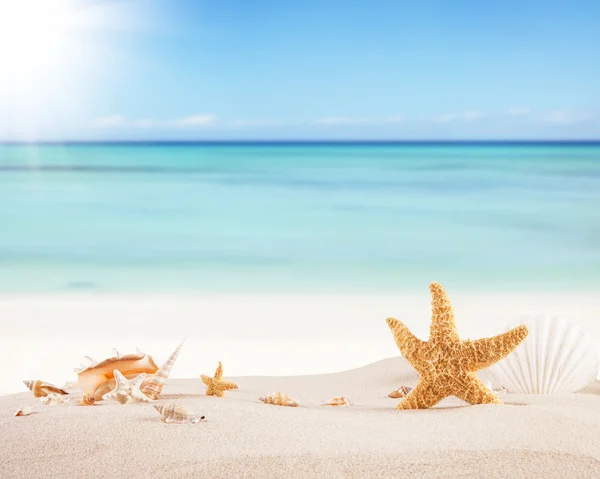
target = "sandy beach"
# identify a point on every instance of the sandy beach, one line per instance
(49, 335)
(530, 436)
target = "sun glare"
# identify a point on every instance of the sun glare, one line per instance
(48, 51)
(33, 34)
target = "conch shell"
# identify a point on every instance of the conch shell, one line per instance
(401, 392)
(42, 389)
(153, 387)
(87, 400)
(337, 401)
(176, 414)
(279, 399)
(99, 379)
(24, 411)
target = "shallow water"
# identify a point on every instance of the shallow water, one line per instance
(299, 217)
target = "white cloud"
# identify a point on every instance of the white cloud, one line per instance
(195, 120)
(111, 121)
(467, 115)
(352, 120)
(565, 117)
(519, 111)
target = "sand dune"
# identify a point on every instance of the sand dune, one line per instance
(529, 436)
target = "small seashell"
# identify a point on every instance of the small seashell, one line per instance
(176, 414)
(279, 399)
(42, 389)
(52, 399)
(337, 401)
(87, 400)
(24, 411)
(401, 392)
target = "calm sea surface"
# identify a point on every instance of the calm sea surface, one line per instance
(307, 218)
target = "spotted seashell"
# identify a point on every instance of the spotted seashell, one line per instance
(337, 401)
(279, 399)
(176, 414)
(24, 411)
(401, 392)
(87, 400)
(42, 388)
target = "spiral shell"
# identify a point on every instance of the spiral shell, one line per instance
(176, 414)
(153, 387)
(42, 389)
(87, 400)
(279, 399)
(401, 392)
(337, 401)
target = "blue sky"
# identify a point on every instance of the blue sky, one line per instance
(223, 69)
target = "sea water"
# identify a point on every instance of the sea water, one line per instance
(299, 217)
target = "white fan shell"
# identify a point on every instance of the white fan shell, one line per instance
(555, 357)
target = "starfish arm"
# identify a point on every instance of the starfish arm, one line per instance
(443, 325)
(482, 353)
(474, 391)
(228, 385)
(206, 379)
(407, 342)
(423, 396)
(219, 371)
(140, 396)
(138, 380)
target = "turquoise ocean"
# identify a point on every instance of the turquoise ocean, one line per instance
(299, 217)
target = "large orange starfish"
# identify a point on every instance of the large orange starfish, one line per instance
(216, 385)
(447, 364)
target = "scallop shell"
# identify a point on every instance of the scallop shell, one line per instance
(176, 414)
(24, 411)
(279, 399)
(87, 400)
(556, 357)
(42, 389)
(153, 387)
(99, 379)
(337, 401)
(401, 392)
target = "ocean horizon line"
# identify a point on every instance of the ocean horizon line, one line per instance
(307, 142)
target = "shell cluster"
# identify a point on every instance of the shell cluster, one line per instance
(279, 399)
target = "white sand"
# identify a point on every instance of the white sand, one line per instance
(48, 335)
(528, 437)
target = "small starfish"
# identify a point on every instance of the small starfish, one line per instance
(447, 364)
(216, 385)
(126, 390)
